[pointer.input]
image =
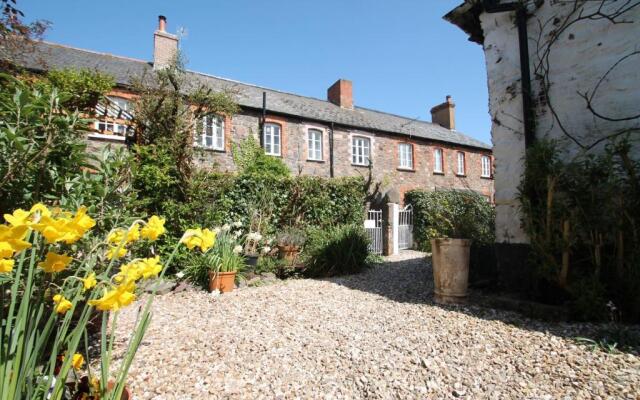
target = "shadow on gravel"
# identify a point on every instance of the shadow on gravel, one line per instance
(411, 281)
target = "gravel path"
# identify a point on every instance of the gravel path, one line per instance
(372, 335)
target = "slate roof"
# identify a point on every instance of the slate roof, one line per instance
(123, 69)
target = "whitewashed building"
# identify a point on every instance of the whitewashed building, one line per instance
(568, 70)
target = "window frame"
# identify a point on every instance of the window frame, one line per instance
(200, 137)
(310, 156)
(409, 154)
(272, 144)
(366, 158)
(464, 163)
(440, 151)
(484, 158)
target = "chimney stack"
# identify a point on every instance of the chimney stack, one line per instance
(341, 93)
(165, 45)
(445, 114)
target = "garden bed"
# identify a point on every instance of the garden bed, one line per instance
(376, 334)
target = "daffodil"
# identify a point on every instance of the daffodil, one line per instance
(128, 273)
(18, 218)
(12, 240)
(62, 305)
(117, 236)
(116, 253)
(64, 227)
(40, 209)
(150, 267)
(90, 281)
(77, 361)
(6, 265)
(55, 262)
(116, 298)
(154, 228)
(203, 238)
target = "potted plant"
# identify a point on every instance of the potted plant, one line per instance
(228, 262)
(450, 250)
(289, 241)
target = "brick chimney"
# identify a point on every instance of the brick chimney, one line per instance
(165, 45)
(341, 94)
(445, 114)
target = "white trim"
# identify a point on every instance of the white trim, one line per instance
(405, 162)
(272, 143)
(368, 156)
(311, 156)
(200, 139)
(106, 136)
(461, 163)
(484, 158)
(395, 221)
(439, 151)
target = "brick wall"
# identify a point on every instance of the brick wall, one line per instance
(384, 154)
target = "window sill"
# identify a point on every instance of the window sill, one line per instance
(273, 155)
(210, 150)
(106, 136)
(315, 161)
(486, 177)
(360, 165)
(405, 169)
(461, 175)
(438, 173)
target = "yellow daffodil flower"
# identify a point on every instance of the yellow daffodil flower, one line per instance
(63, 228)
(62, 305)
(203, 238)
(90, 281)
(11, 240)
(116, 253)
(116, 298)
(41, 209)
(150, 267)
(77, 361)
(55, 262)
(18, 218)
(128, 273)
(6, 265)
(154, 228)
(117, 235)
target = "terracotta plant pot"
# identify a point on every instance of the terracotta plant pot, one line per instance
(288, 253)
(222, 281)
(450, 260)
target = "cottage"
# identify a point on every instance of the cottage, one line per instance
(329, 138)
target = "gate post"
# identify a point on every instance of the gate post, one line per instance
(390, 228)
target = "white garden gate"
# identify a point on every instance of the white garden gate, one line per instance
(373, 226)
(405, 228)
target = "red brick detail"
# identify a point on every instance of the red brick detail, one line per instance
(283, 132)
(341, 93)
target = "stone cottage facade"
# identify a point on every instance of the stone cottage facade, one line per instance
(585, 56)
(328, 138)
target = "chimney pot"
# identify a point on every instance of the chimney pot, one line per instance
(162, 23)
(341, 93)
(444, 114)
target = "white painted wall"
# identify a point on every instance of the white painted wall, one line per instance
(582, 55)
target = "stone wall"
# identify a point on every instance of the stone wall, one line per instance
(580, 57)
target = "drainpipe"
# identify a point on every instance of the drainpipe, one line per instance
(263, 118)
(493, 6)
(331, 151)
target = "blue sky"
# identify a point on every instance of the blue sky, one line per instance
(402, 57)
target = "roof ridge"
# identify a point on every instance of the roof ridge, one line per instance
(93, 51)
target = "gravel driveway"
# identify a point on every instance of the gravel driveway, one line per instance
(372, 335)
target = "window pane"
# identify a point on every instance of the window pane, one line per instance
(438, 160)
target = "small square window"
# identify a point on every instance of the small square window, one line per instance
(210, 133)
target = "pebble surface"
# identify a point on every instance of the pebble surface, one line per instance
(375, 335)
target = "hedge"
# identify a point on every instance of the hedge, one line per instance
(218, 198)
(436, 213)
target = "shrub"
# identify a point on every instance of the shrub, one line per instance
(451, 213)
(337, 250)
(251, 159)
